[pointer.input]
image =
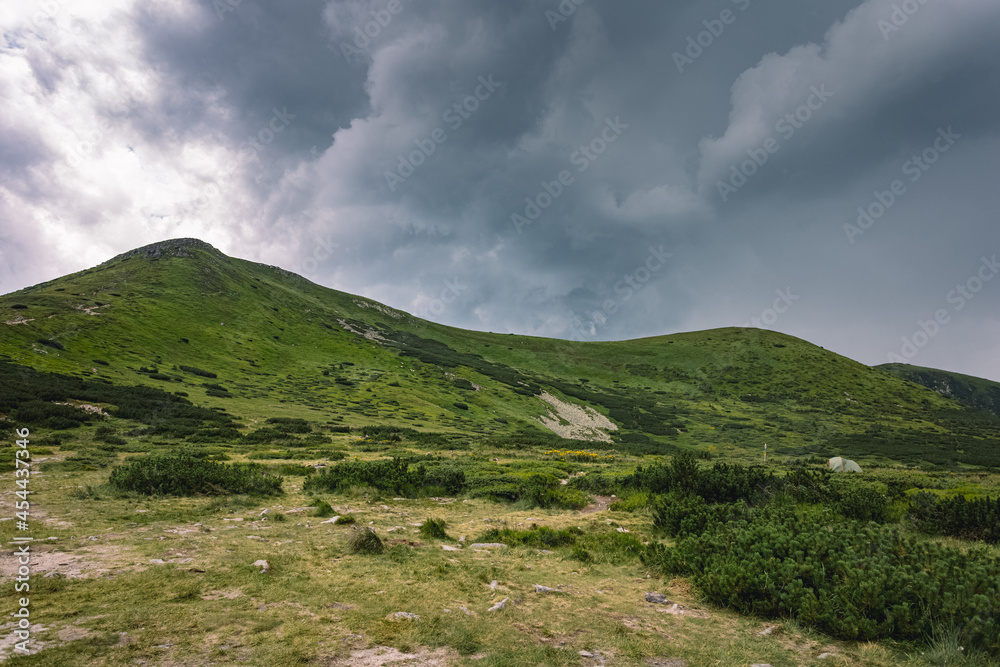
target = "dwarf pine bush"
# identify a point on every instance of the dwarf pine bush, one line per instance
(852, 580)
(185, 475)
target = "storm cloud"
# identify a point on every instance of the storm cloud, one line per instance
(581, 169)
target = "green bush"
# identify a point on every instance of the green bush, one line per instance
(323, 509)
(185, 475)
(864, 503)
(433, 529)
(365, 541)
(398, 476)
(852, 580)
(977, 519)
(680, 515)
(197, 371)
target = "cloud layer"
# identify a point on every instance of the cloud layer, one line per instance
(586, 171)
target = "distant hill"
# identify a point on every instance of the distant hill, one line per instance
(258, 342)
(966, 389)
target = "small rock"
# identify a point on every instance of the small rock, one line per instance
(466, 611)
(403, 616)
(449, 548)
(622, 529)
(824, 656)
(497, 607)
(760, 664)
(545, 589)
(545, 552)
(157, 561)
(656, 598)
(487, 545)
(586, 654)
(333, 520)
(264, 566)
(766, 631)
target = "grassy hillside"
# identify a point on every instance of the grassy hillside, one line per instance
(966, 389)
(260, 342)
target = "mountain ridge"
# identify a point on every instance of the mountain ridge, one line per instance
(281, 345)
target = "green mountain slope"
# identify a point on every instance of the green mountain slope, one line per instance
(966, 389)
(260, 342)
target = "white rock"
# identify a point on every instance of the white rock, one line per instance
(499, 605)
(264, 566)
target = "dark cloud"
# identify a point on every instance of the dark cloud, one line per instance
(492, 166)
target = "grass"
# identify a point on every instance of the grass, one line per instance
(215, 614)
(304, 389)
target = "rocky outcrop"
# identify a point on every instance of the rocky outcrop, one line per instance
(169, 248)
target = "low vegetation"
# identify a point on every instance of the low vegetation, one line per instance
(185, 475)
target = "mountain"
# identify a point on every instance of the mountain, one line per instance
(258, 342)
(966, 389)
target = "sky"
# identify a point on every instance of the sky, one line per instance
(578, 169)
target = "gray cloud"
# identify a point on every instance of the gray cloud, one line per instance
(610, 126)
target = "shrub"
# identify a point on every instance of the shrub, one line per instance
(977, 519)
(680, 515)
(398, 476)
(851, 580)
(346, 519)
(290, 425)
(433, 529)
(864, 503)
(365, 541)
(197, 371)
(323, 509)
(185, 475)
